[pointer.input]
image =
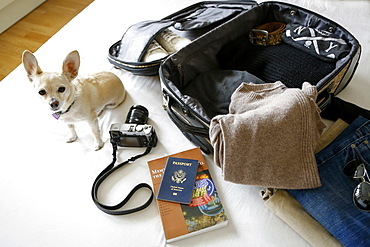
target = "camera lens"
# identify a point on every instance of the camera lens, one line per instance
(138, 114)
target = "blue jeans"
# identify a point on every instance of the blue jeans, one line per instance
(332, 204)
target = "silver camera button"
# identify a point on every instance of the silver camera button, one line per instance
(139, 128)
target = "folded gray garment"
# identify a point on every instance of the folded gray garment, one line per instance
(213, 89)
(269, 134)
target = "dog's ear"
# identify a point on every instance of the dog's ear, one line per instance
(71, 64)
(30, 64)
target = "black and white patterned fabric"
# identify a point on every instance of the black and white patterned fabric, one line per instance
(320, 43)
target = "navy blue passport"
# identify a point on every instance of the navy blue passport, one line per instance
(178, 180)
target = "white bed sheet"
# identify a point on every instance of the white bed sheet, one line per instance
(45, 184)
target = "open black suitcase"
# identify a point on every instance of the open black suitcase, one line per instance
(198, 80)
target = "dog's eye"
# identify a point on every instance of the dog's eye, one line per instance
(61, 89)
(42, 92)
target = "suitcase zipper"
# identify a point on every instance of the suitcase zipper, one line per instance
(135, 66)
(179, 115)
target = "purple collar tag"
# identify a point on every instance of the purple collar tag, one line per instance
(59, 113)
(56, 115)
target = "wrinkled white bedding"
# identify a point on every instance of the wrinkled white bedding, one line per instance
(45, 184)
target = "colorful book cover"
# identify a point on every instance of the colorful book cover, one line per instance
(178, 180)
(205, 211)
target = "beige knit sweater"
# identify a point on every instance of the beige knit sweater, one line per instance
(269, 136)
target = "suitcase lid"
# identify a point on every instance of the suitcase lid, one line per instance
(190, 22)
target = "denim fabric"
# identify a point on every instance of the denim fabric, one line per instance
(332, 204)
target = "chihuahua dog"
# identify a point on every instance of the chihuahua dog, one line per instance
(73, 98)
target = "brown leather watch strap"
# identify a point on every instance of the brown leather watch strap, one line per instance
(267, 34)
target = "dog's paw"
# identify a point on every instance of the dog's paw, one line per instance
(71, 138)
(98, 145)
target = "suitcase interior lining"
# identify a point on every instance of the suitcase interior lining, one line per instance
(263, 64)
(281, 62)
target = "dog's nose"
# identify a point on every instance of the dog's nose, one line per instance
(54, 105)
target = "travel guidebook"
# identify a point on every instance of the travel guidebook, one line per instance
(205, 211)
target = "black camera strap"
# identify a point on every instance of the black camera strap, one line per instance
(113, 210)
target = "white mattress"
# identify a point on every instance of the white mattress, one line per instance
(45, 184)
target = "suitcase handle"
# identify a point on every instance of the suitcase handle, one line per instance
(180, 122)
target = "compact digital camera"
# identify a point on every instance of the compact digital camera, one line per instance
(134, 132)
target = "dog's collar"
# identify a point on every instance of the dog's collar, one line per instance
(57, 115)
